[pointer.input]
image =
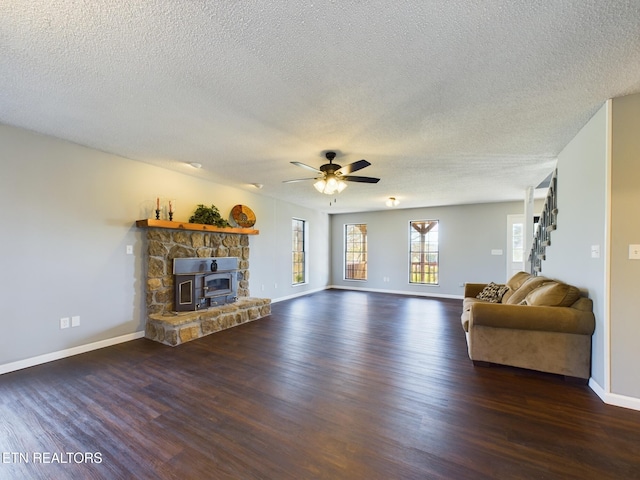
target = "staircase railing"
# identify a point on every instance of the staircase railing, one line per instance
(548, 223)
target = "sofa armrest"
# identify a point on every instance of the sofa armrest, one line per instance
(530, 317)
(473, 289)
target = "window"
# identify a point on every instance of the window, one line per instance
(423, 252)
(517, 247)
(298, 262)
(355, 252)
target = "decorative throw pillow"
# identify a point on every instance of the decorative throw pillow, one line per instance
(492, 293)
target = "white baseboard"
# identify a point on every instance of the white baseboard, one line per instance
(374, 290)
(50, 357)
(614, 398)
(598, 390)
(398, 292)
(296, 295)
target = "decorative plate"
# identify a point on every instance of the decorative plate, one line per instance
(243, 216)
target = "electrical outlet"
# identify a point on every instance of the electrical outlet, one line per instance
(634, 252)
(64, 322)
(75, 321)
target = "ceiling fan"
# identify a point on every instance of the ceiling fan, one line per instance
(333, 176)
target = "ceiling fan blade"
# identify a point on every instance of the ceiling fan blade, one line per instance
(313, 169)
(353, 167)
(298, 180)
(355, 178)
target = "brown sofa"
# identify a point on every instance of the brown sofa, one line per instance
(530, 322)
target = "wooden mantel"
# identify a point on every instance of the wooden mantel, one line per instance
(152, 223)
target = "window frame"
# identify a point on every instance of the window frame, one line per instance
(302, 252)
(346, 252)
(428, 252)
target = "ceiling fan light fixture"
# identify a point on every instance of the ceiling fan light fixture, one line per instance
(341, 185)
(320, 185)
(330, 185)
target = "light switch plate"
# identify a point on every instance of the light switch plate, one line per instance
(595, 251)
(634, 252)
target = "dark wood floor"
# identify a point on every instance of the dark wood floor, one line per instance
(335, 385)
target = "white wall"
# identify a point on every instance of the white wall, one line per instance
(68, 213)
(598, 198)
(467, 235)
(625, 230)
(271, 256)
(582, 200)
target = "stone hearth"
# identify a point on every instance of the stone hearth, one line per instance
(169, 240)
(176, 328)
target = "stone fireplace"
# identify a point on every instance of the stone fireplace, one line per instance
(167, 241)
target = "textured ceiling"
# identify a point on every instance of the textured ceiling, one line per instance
(452, 101)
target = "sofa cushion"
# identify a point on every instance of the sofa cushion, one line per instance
(514, 283)
(525, 289)
(553, 294)
(518, 279)
(493, 292)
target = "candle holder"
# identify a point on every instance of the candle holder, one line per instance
(170, 216)
(157, 214)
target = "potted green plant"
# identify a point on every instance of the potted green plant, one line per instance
(208, 216)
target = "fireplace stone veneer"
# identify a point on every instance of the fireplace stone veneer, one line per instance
(174, 329)
(168, 242)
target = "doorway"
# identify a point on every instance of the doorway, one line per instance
(515, 244)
